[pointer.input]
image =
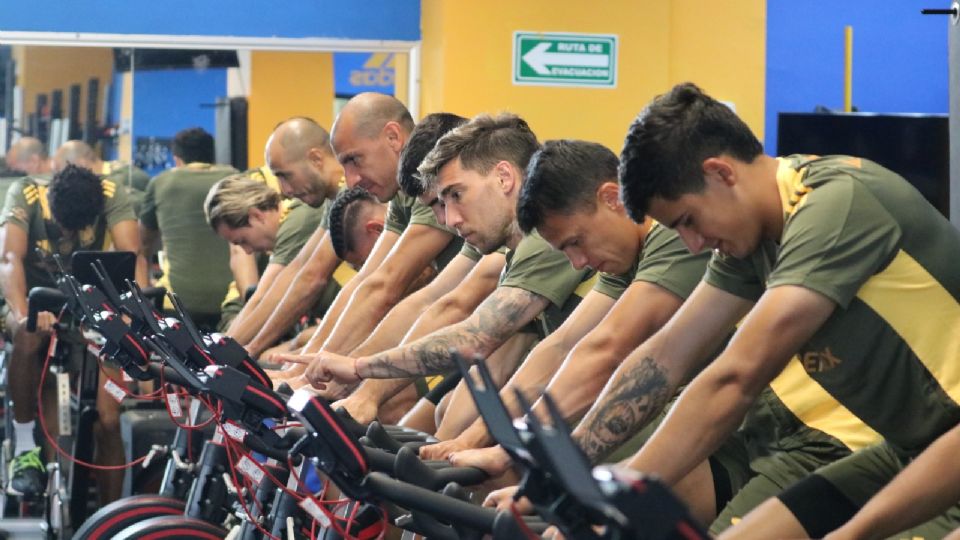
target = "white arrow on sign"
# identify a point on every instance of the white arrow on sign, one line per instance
(538, 58)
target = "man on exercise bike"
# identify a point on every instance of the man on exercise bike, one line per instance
(76, 211)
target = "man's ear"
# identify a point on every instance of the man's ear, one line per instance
(608, 194)
(316, 157)
(255, 214)
(507, 176)
(373, 226)
(719, 168)
(394, 135)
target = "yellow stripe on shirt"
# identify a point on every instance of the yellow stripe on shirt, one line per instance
(937, 346)
(816, 408)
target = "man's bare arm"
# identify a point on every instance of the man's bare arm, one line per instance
(643, 308)
(150, 243)
(126, 237)
(253, 317)
(299, 296)
(12, 277)
(384, 245)
(643, 384)
(451, 308)
(389, 333)
(714, 404)
(377, 294)
(243, 266)
(502, 314)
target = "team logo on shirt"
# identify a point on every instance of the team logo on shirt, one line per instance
(819, 361)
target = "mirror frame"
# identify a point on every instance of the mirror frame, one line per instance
(169, 41)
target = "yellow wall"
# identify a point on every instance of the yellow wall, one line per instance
(285, 84)
(44, 69)
(721, 46)
(467, 62)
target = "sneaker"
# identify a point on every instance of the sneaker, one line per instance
(28, 474)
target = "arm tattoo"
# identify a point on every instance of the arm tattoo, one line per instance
(636, 397)
(500, 316)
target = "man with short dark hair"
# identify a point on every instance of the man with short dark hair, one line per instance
(77, 211)
(196, 263)
(571, 197)
(835, 260)
(356, 221)
(449, 298)
(133, 178)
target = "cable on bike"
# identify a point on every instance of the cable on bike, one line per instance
(53, 442)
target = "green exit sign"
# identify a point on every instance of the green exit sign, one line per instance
(554, 59)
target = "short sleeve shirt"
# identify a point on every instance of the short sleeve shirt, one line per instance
(405, 210)
(298, 221)
(865, 238)
(27, 207)
(197, 260)
(536, 267)
(664, 261)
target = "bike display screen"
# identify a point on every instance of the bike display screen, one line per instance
(120, 266)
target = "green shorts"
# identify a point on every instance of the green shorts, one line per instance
(767, 475)
(860, 476)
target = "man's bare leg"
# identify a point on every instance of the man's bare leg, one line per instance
(109, 445)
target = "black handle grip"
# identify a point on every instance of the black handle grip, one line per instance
(155, 295)
(42, 299)
(936, 11)
(409, 468)
(417, 498)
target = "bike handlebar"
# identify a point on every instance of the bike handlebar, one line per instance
(42, 299)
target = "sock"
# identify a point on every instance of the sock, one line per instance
(23, 437)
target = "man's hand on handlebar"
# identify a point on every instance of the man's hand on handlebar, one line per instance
(324, 367)
(45, 322)
(443, 449)
(362, 410)
(493, 460)
(501, 499)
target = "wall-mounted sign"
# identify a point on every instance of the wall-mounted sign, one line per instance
(565, 59)
(363, 72)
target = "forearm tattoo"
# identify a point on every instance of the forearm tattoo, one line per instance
(636, 398)
(500, 316)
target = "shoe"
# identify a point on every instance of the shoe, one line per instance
(28, 474)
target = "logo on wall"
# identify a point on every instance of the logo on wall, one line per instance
(364, 72)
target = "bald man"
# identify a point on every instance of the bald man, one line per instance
(367, 137)
(298, 153)
(29, 155)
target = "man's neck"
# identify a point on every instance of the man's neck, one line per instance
(763, 173)
(514, 235)
(643, 229)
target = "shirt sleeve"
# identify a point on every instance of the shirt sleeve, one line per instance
(667, 263)
(422, 214)
(117, 206)
(295, 230)
(16, 209)
(839, 237)
(398, 213)
(538, 268)
(611, 285)
(148, 209)
(470, 252)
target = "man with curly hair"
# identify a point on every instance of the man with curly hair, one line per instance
(76, 211)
